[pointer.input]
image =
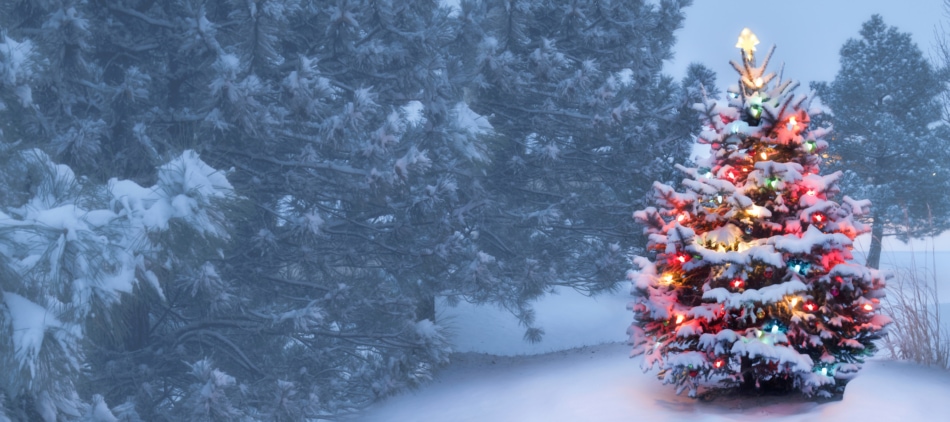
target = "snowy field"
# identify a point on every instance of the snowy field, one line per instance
(581, 372)
(600, 384)
(568, 318)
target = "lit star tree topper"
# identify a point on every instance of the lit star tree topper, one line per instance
(750, 279)
(747, 42)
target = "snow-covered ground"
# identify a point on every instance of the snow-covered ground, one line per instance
(581, 372)
(599, 383)
(568, 318)
(929, 264)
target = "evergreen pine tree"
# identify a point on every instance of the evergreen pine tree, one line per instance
(356, 213)
(71, 251)
(575, 97)
(752, 281)
(885, 103)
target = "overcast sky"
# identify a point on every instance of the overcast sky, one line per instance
(808, 34)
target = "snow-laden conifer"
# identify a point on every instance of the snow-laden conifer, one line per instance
(751, 280)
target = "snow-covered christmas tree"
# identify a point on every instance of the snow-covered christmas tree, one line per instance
(752, 281)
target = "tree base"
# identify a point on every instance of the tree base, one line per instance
(777, 392)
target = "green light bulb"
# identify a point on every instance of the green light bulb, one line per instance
(755, 111)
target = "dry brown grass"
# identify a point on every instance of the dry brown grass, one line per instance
(917, 334)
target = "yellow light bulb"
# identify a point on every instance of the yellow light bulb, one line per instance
(680, 318)
(668, 278)
(793, 301)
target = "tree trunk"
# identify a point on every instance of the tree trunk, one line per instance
(425, 309)
(748, 380)
(877, 235)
